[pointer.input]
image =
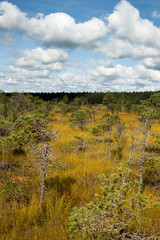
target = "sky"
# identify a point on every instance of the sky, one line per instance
(77, 46)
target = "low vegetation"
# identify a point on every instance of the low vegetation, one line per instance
(86, 167)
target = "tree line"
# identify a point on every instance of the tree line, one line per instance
(93, 97)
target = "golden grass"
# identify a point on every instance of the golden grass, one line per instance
(72, 183)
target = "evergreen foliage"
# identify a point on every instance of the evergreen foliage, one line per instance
(42, 180)
(114, 213)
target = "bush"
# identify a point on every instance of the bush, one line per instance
(114, 213)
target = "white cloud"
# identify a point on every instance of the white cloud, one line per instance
(49, 69)
(46, 56)
(152, 63)
(126, 24)
(103, 76)
(34, 69)
(11, 17)
(7, 39)
(1, 74)
(25, 73)
(55, 29)
(119, 48)
(93, 63)
(40, 15)
(50, 59)
(110, 73)
(155, 14)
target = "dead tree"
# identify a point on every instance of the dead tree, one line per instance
(45, 156)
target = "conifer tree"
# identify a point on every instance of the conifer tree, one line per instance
(118, 212)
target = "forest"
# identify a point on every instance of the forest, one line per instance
(80, 166)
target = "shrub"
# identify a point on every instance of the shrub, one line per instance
(114, 213)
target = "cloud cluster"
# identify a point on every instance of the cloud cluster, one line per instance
(50, 69)
(34, 69)
(130, 35)
(152, 63)
(126, 23)
(102, 76)
(107, 77)
(38, 63)
(50, 59)
(135, 38)
(55, 29)
(121, 48)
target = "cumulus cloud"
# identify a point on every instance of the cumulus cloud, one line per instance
(49, 69)
(122, 78)
(119, 48)
(130, 36)
(93, 63)
(152, 63)
(102, 76)
(11, 17)
(50, 59)
(155, 14)
(34, 68)
(27, 74)
(107, 77)
(7, 81)
(45, 56)
(55, 29)
(126, 24)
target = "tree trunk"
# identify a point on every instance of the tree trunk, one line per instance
(44, 173)
(142, 158)
(43, 183)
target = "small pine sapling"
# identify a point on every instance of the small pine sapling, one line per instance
(115, 212)
(78, 118)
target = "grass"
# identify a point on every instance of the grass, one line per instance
(72, 182)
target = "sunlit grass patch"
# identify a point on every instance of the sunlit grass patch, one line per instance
(72, 180)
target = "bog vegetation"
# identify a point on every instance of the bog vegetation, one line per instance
(80, 166)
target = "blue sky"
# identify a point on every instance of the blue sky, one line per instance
(87, 45)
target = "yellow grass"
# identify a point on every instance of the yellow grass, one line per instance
(73, 183)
